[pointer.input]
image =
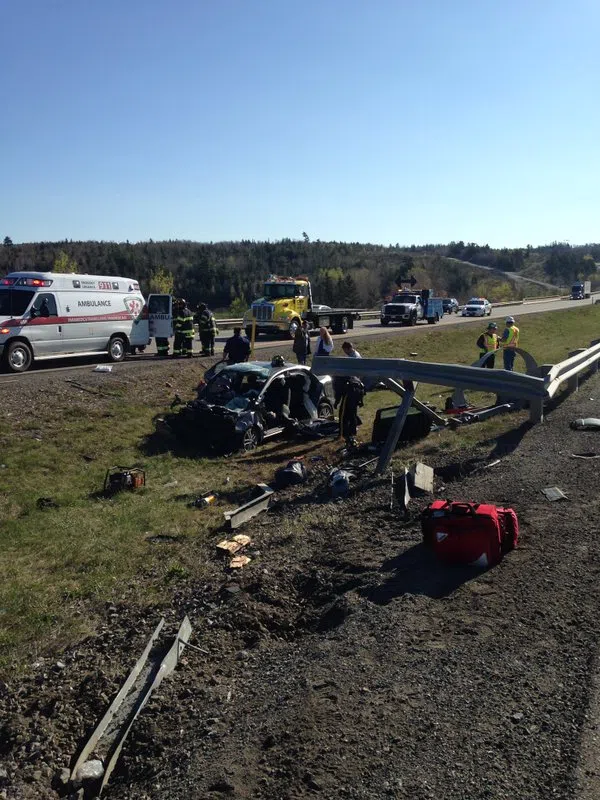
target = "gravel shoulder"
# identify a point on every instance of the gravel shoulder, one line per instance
(345, 663)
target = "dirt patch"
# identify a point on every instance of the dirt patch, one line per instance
(343, 662)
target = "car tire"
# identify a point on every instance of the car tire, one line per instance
(325, 410)
(385, 322)
(343, 326)
(251, 439)
(18, 356)
(117, 349)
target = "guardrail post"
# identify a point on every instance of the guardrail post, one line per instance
(536, 409)
(396, 429)
(573, 382)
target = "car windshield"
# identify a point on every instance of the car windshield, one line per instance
(476, 302)
(404, 298)
(234, 387)
(275, 290)
(14, 302)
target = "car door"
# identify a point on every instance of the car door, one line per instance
(45, 326)
(160, 316)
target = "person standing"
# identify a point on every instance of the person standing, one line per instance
(324, 343)
(183, 325)
(237, 348)
(509, 341)
(351, 399)
(207, 329)
(301, 346)
(488, 342)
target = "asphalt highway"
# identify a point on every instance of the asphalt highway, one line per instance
(362, 329)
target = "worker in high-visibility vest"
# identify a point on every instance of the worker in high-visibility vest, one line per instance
(488, 342)
(509, 341)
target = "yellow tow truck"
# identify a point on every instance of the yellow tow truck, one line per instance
(286, 302)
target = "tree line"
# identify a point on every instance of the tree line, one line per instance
(231, 274)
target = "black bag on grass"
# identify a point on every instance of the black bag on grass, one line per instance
(292, 474)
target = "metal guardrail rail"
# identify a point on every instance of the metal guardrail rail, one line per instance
(569, 370)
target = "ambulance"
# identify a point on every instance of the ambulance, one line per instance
(46, 315)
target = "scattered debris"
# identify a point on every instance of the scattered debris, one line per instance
(205, 500)
(103, 368)
(45, 503)
(238, 516)
(118, 479)
(414, 354)
(292, 474)
(228, 546)
(402, 489)
(493, 463)
(585, 455)
(553, 493)
(339, 482)
(170, 484)
(421, 477)
(588, 424)
(239, 561)
(242, 539)
(160, 538)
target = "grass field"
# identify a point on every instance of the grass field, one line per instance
(62, 566)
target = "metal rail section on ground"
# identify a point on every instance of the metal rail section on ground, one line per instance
(154, 664)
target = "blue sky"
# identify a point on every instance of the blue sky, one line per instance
(356, 120)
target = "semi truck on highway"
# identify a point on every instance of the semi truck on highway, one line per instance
(409, 307)
(581, 290)
(286, 302)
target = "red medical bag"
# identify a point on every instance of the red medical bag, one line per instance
(469, 533)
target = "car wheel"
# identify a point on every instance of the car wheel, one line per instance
(385, 322)
(344, 325)
(117, 348)
(251, 439)
(413, 320)
(18, 357)
(325, 410)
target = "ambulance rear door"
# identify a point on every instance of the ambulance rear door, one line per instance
(160, 316)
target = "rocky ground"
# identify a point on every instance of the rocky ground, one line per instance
(343, 662)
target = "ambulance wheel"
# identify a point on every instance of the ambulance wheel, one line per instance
(18, 357)
(117, 348)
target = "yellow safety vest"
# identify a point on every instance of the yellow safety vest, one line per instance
(490, 341)
(513, 337)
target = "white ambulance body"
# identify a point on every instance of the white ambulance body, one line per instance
(47, 315)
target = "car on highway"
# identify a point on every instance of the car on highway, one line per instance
(477, 307)
(239, 406)
(450, 305)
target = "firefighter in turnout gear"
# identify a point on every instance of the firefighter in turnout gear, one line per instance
(488, 342)
(183, 325)
(207, 328)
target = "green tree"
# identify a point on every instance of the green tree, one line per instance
(8, 242)
(64, 263)
(160, 281)
(238, 307)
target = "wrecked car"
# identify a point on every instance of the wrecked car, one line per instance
(239, 406)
